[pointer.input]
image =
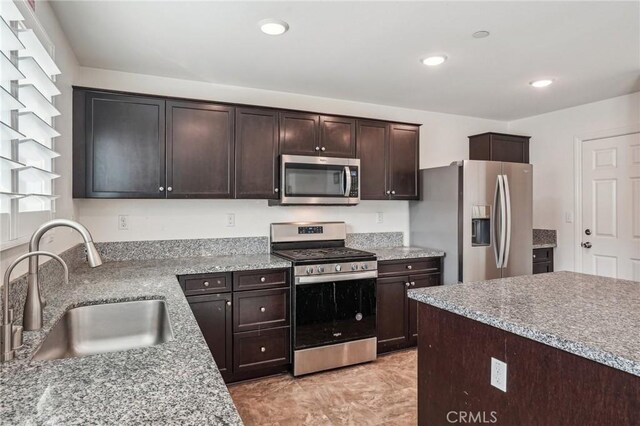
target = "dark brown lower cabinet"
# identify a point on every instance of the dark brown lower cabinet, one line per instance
(543, 260)
(247, 331)
(213, 314)
(397, 318)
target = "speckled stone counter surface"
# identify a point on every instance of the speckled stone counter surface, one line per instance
(544, 238)
(404, 252)
(593, 317)
(172, 383)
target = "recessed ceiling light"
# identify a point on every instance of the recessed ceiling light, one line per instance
(541, 83)
(432, 61)
(481, 34)
(273, 26)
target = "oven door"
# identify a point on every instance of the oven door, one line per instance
(319, 180)
(333, 312)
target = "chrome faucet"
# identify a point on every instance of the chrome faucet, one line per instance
(32, 317)
(11, 335)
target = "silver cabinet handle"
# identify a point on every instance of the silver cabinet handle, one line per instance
(388, 192)
(409, 267)
(534, 256)
(317, 148)
(275, 190)
(169, 188)
(407, 284)
(393, 192)
(262, 279)
(323, 149)
(263, 309)
(263, 349)
(206, 283)
(161, 188)
(413, 283)
(228, 302)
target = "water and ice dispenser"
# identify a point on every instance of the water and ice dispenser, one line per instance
(481, 226)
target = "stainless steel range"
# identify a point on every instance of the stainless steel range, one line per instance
(334, 295)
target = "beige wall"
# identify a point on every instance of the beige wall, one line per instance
(552, 154)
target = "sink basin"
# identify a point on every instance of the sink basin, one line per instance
(110, 327)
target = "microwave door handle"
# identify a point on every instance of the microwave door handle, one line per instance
(347, 180)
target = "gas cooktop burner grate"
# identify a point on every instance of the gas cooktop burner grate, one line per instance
(322, 253)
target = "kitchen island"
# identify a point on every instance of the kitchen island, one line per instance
(571, 343)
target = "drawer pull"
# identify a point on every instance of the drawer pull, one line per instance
(206, 283)
(409, 267)
(262, 279)
(263, 349)
(228, 303)
(263, 309)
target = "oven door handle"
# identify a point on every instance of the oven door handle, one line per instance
(336, 277)
(347, 180)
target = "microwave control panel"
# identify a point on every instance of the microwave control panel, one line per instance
(353, 191)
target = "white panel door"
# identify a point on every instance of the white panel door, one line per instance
(611, 207)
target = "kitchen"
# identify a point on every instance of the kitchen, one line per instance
(259, 245)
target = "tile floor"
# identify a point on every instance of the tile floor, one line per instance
(383, 392)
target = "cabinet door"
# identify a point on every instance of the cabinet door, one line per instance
(213, 314)
(509, 148)
(392, 313)
(419, 281)
(372, 141)
(403, 161)
(256, 154)
(337, 137)
(125, 148)
(299, 133)
(199, 150)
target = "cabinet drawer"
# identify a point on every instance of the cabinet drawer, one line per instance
(256, 280)
(253, 310)
(204, 284)
(542, 255)
(411, 266)
(261, 349)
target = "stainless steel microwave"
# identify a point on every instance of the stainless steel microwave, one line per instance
(319, 180)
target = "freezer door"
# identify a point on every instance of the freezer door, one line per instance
(477, 233)
(518, 180)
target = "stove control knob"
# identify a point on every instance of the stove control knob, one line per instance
(309, 270)
(365, 266)
(338, 268)
(321, 269)
(354, 266)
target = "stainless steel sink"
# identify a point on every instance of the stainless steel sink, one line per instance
(110, 327)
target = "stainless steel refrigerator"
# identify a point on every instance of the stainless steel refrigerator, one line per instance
(479, 213)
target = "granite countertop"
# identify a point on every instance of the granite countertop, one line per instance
(404, 252)
(176, 382)
(590, 316)
(544, 238)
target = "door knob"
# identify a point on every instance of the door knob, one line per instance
(586, 245)
(587, 231)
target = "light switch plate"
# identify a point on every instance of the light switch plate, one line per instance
(379, 217)
(123, 222)
(231, 219)
(499, 374)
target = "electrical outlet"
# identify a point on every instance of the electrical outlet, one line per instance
(123, 222)
(499, 374)
(379, 217)
(231, 219)
(568, 217)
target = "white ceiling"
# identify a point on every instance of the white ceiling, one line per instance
(370, 51)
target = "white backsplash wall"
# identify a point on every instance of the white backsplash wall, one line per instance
(178, 219)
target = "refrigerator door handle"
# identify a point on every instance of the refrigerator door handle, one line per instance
(507, 193)
(498, 211)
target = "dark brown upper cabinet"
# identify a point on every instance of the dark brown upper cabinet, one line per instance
(311, 134)
(499, 147)
(200, 161)
(372, 148)
(337, 137)
(256, 165)
(119, 146)
(403, 160)
(299, 133)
